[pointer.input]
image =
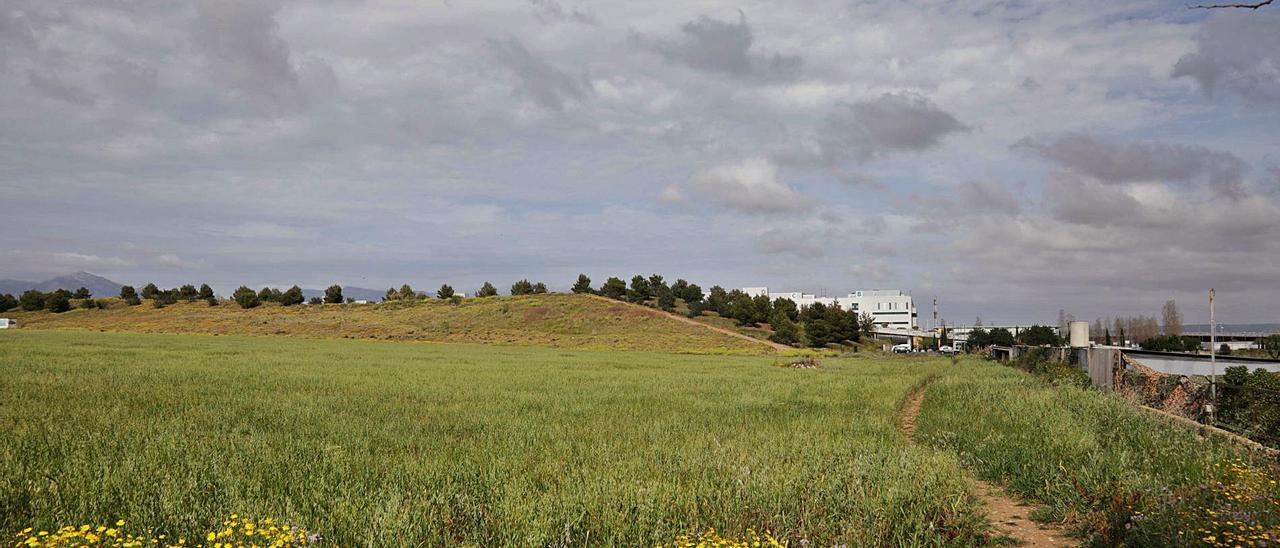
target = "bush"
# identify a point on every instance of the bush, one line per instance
(291, 296)
(1041, 363)
(583, 285)
(315, 300)
(7, 302)
(614, 288)
(246, 297)
(149, 291)
(333, 294)
(58, 301)
(522, 287)
(1171, 343)
(88, 304)
(82, 293)
(31, 300)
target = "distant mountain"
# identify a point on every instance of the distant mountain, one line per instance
(99, 286)
(357, 293)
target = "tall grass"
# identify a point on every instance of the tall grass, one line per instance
(1095, 461)
(389, 444)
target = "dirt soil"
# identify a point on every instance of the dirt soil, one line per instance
(1009, 517)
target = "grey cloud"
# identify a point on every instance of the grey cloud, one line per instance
(1134, 162)
(724, 47)
(891, 122)
(545, 84)
(782, 242)
(987, 195)
(552, 11)
(54, 88)
(1075, 200)
(1237, 53)
(750, 186)
(244, 54)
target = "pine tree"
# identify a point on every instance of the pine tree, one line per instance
(614, 288)
(445, 292)
(206, 292)
(487, 290)
(583, 285)
(245, 297)
(150, 291)
(333, 294)
(522, 287)
(291, 296)
(82, 293)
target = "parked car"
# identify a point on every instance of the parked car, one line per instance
(946, 350)
(901, 348)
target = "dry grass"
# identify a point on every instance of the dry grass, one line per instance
(555, 320)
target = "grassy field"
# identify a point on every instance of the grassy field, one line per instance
(554, 320)
(1113, 473)
(386, 444)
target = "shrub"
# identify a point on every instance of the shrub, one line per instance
(31, 300)
(291, 296)
(7, 302)
(583, 285)
(522, 287)
(614, 288)
(315, 300)
(57, 302)
(246, 297)
(88, 304)
(1171, 343)
(149, 291)
(82, 293)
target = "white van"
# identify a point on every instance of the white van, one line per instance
(6, 323)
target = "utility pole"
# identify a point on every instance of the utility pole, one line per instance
(1213, 362)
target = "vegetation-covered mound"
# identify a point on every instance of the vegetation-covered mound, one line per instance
(557, 320)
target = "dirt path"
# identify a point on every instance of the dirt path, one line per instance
(1008, 516)
(678, 317)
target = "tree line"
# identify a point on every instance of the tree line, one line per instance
(817, 325)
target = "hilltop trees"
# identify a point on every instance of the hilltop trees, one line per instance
(445, 292)
(583, 285)
(640, 289)
(522, 287)
(614, 288)
(206, 292)
(7, 302)
(333, 294)
(291, 296)
(487, 290)
(245, 297)
(82, 293)
(31, 300)
(129, 295)
(188, 292)
(58, 301)
(150, 291)
(407, 293)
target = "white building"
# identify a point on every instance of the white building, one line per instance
(6, 323)
(891, 308)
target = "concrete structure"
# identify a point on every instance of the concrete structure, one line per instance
(6, 323)
(891, 308)
(1079, 334)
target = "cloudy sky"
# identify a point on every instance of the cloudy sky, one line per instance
(1010, 157)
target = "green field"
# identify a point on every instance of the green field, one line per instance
(1113, 474)
(384, 444)
(393, 443)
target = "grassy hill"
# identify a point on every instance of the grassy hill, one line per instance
(556, 320)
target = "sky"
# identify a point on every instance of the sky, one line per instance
(1011, 158)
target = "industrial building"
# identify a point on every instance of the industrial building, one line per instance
(890, 308)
